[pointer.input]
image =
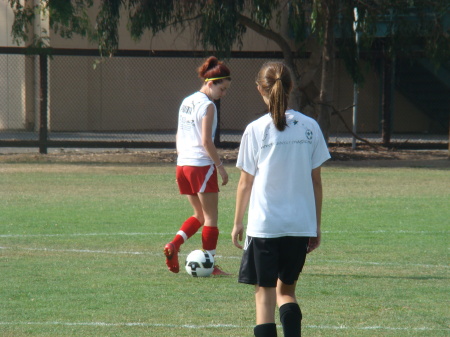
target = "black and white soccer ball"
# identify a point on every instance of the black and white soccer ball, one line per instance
(199, 263)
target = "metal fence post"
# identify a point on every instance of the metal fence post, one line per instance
(43, 108)
(387, 99)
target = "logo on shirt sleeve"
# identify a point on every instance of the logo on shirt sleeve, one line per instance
(186, 109)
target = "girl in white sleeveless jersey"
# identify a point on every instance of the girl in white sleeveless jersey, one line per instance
(280, 158)
(198, 161)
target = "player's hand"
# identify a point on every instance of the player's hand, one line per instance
(313, 243)
(237, 234)
(223, 174)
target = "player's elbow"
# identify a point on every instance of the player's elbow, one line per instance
(245, 183)
(207, 143)
(316, 177)
(317, 183)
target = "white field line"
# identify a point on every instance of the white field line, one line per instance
(87, 251)
(384, 264)
(312, 260)
(169, 234)
(79, 234)
(384, 231)
(220, 326)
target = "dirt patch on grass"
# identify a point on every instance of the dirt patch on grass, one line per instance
(363, 156)
(366, 156)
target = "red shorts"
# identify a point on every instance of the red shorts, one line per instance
(197, 179)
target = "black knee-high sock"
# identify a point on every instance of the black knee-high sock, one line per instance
(291, 318)
(265, 330)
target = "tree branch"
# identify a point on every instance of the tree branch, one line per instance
(349, 129)
(275, 37)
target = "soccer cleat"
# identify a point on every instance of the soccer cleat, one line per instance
(171, 254)
(218, 271)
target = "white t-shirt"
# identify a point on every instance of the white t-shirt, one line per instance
(282, 200)
(189, 134)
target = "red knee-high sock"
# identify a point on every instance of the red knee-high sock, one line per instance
(210, 235)
(189, 228)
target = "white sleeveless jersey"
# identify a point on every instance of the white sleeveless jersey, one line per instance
(282, 200)
(189, 134)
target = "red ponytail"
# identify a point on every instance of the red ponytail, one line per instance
(213, 68)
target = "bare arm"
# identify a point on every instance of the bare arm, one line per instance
(318, 196)
(242, 199)
(208, 143)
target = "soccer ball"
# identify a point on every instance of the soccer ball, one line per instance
(199, 263)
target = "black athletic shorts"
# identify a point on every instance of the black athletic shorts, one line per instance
(265, 260)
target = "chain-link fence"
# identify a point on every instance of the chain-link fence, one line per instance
(132, 100)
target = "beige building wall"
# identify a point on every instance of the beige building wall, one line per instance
(19, 90)
(12, 92)
(6, 21)
(167, 40)
(406, 117)
(143, 94)
(19, 76)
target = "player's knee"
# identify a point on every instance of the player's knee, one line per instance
(285, 292)
(200, 217)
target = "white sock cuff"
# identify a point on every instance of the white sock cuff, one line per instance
(183, 235)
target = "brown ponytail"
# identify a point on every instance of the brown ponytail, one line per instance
(275, 80)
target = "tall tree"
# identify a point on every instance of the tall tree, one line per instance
(409, 25)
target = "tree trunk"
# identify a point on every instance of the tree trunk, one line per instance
(328, 61)
(305, 92)
(308, 91)
(386, 100)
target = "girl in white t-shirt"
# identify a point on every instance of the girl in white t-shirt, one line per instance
(280, 158)
(198, 161)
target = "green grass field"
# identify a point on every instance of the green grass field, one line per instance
(81, 255)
